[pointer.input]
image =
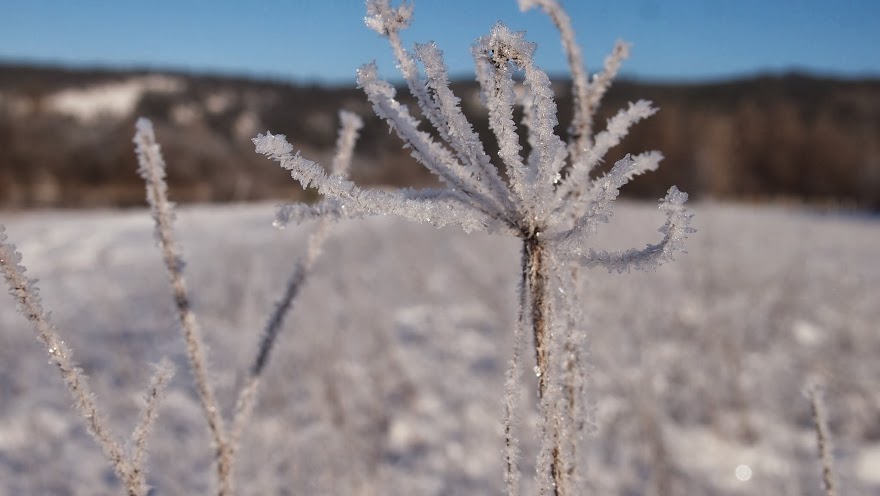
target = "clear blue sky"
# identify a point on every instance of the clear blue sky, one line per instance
(326, 40)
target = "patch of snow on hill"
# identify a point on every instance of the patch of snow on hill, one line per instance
(116, 100)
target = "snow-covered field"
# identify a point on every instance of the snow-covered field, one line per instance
(388, 377)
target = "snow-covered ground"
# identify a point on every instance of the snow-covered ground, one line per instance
(388, 377)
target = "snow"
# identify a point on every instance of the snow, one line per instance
(388, 378)
(116, 100)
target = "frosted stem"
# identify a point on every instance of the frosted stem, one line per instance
(536, 271)
(163, 375)
(152, 169)
(347, 138)
(27, 296)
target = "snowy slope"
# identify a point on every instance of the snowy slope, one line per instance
(387, 379)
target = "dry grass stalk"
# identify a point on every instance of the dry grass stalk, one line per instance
(225, 440)
(128, 467)
(815, 395)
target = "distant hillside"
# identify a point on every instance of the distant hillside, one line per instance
(65, 136)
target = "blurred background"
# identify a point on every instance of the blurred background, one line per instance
(769, 102)
(388, 378)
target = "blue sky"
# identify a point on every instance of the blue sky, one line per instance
(326, 41)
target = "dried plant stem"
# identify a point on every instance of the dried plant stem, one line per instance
(247, 397)
(225, 442)
(76, 381)
(823, 437)
(536, 271)
(152, 169)
(244, 409)
(130, 470)
(161, 377)
(570, 391)
(512, 385)
(575, 371)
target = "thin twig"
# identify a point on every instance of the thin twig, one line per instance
(164, 372)
(247, 397)
(823, 436)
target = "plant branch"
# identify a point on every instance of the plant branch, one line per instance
(152, 169)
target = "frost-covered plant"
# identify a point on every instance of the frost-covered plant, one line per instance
(226, 439)
(129, 461)
(549, 200)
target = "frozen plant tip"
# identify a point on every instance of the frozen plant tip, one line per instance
(550, 198)
(546, 195)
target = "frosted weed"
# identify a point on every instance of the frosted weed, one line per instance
(549, 200)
